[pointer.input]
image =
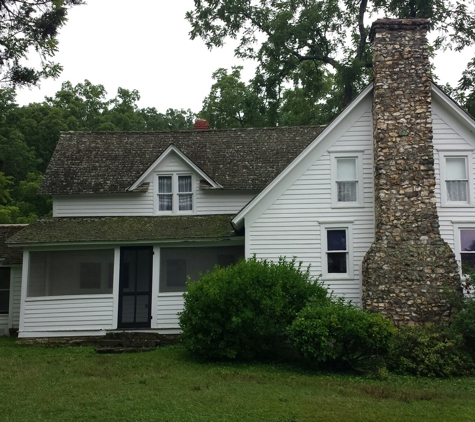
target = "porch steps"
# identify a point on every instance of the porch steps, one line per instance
(133, 341)
(112, 342)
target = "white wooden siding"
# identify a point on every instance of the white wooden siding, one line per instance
(128, 204)
(15, 292)
(447, 138)
(291, 225)
(69, 313)
(168, 306)
(222, 202)
(3, 324)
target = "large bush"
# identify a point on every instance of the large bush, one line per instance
(432, 350)
(242, 311)
(335, 332)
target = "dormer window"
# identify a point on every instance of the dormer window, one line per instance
(175, 193)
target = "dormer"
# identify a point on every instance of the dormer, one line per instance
(175, 180)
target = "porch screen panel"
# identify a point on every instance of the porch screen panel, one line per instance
(80, 272)
(178, 265)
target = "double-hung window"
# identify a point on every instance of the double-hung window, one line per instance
(175, 193)
(467, 248)
(347, 186)
(336, 250)
(455, 180)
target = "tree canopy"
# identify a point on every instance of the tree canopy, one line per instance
(27, 26)
(300, 41)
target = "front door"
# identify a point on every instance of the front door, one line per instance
(135, 285)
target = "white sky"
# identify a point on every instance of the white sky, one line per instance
(144, 45)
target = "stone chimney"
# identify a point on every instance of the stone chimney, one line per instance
(409, 266)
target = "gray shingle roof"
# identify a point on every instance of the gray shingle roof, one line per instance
(124, 229)
(110, 162)
(11, 255)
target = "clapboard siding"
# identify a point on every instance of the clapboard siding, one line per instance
(3, 324)
(222, 202)
(291, 226)
(68, 313)
(15, 292)
(132, 204)
(446, 138)
(168, 306)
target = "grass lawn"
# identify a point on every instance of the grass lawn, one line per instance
(76, 384)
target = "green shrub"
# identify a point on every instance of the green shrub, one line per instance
(242, 311)
(336, 332)
(431, 350)
(463, 322)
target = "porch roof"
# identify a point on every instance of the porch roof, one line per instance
(10, 256)
(124, 229)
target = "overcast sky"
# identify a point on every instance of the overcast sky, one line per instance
(144, 45)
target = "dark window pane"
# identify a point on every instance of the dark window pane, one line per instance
(4, 301)
(176, 272)
(337, 262)
(90, 275)
(336, 240)
(467, 240)
(5, 278)
(468, 259)
(226, 260)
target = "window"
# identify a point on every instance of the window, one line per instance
(467, 248)
(55, 273)
(337, 259)
(455, 182)
(347, 187)
(456, 179)
(337, 251)
(178, 265)
(175, 193)
(4, 290)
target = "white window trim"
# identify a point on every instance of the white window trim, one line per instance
(174, 210)
(444, 202)
(349, 242)
(358, 156)
(458, 246)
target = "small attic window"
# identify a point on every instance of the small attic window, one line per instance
(175, 193)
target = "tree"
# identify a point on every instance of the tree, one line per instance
(231, 103)
(27, 25)
(283, 36)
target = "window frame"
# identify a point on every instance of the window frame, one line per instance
(358, 157)
(444, 198)
(324, 228)
(8, 290)
(458, 228)
(175, 194)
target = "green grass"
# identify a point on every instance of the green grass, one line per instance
(76, 384)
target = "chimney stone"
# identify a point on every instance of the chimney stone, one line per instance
(409, 266)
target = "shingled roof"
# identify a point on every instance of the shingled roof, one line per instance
(110, 162)
(124, 229)
(11, 256)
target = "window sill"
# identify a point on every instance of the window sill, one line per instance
(347, 205)
(337, 276)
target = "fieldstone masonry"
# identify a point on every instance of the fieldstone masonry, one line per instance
(408, 267)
